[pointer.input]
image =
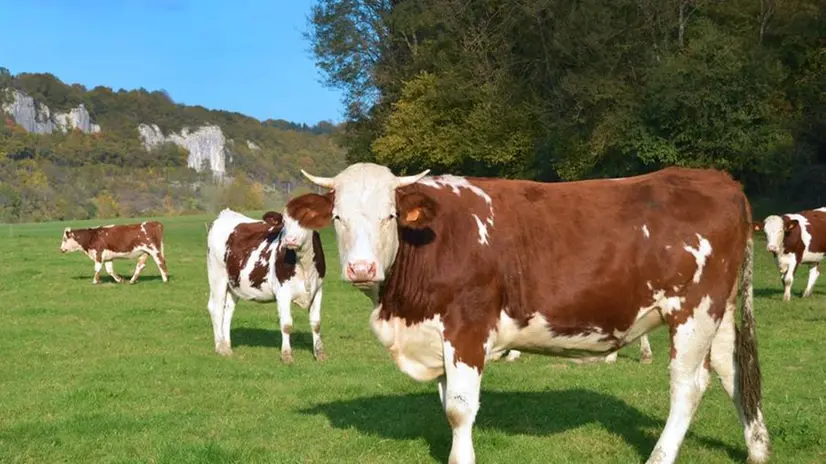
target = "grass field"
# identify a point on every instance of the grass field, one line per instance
(120, 373)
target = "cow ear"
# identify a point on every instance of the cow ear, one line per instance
(274, 219)
(311, 210)
(791, 225)
(416, 210)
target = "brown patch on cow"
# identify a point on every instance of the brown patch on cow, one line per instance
(543, 256)
(318, 255)
(793, 234)
(285, 263)
(287, 328)
(311, 210)
(317, 327)
(245, 238)
(274, 219)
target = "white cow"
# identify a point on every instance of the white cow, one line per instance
(274, 259)
(796, 239)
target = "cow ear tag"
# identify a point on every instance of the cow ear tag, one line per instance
(412, 215)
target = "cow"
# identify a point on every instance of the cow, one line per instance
(262, 261)
(107, 243)
(460, 269)
(795, 239)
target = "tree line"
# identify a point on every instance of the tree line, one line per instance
(75, 175)
(574, 89)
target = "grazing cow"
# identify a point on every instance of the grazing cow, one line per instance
(107, 243)
(796, 239)
(262, 261)
(461, 269)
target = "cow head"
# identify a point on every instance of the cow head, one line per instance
(366, 209)
(293, 235)
(777, 229)
(69, 243)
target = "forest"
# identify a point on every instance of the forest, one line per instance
(75, 175)
(576, 89)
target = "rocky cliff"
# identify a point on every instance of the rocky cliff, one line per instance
(206, 145)
(38, 118)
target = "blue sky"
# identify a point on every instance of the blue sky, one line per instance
(239, 55)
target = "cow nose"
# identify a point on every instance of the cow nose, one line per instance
(291, 241)
(772, 248)
(361, 271)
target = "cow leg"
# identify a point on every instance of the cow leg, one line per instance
(283, 297)
(139, 267)
(724, 363)
(814, 273)
(218, 295)
(691, 346)
(513, 355)
(645, 352)
(646, 357)
(788, 280)
(612, 358)
(226, 323)
(315, 324)
(98, 268)
(110, 269)
(459, 390)
(160, 261)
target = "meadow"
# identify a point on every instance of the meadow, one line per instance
(120, 373)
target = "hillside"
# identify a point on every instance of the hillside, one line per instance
(67, 152)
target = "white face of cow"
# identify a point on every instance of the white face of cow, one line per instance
(364, 216)
(69, 243)
(773, 228)
(293, 235)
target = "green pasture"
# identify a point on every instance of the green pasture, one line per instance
(127, 373)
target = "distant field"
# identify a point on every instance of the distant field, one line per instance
(119, 373)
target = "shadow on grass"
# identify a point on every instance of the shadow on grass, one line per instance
(107, 279)
(253, 336)
(768, 292)
(411, 417)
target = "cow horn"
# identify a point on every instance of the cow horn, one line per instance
(326, 182)
(407, 180)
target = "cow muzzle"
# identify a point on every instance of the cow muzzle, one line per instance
(291, 243)
(361, 272)
(772, 248)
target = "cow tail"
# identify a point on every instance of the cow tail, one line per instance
(748, 377)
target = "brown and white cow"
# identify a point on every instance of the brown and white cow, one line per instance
(461, 269)
(273, 259)
(128, 241)
(796, 239)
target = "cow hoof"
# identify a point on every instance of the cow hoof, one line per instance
(646, 360)
(95, 282)
(321, 356)
(287, 357)
(131, 282)
(223, 349)
(513, 355)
